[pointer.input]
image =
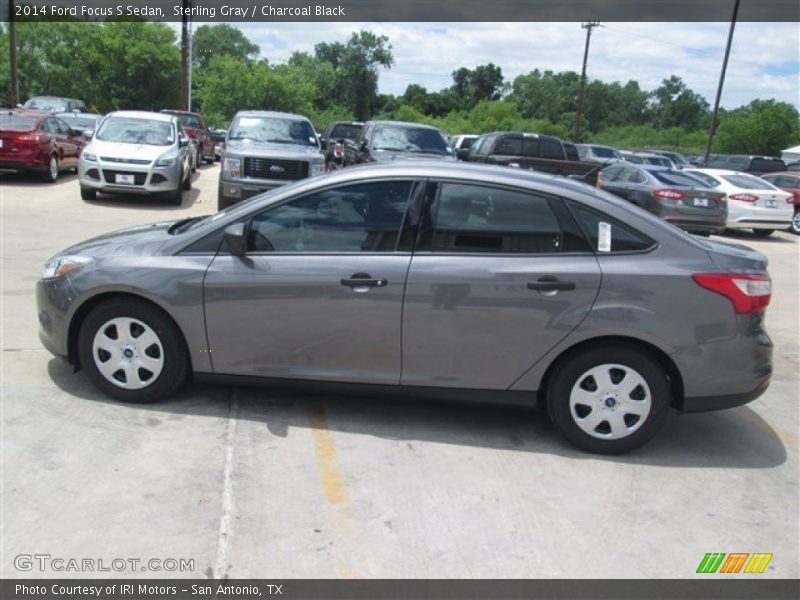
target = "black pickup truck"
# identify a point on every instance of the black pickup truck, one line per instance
(543, 153)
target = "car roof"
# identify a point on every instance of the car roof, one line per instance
(720, 171)
(56, 98)
(142, 114)
(404, 124)
(270, 113)
(25, 112)
(76, 114)
(790, 173)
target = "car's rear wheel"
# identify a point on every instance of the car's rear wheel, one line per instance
(763, 232)
(132, 351)
(88, 194)
(51, 174)
(796, 223)
(609, 400)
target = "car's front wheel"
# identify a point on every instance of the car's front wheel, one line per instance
(88, 194)
(132, 351)
(51, 174)
(609, 400)
(796, 223)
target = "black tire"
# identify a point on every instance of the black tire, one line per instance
(175, 356)
(187, 183)
(88, 194)
(51, 174)
(571, 371)
(763, 232)
(795, 228)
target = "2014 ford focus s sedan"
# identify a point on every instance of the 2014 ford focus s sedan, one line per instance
(472, 281)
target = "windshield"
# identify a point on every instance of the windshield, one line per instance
(346, 131)
(46, 104)
(78, 122)
(748, 182)
(277, 130)
(410, 139)
(677, 178)
(12, 122)
(603, 152)
(127, 130)
(192, 121)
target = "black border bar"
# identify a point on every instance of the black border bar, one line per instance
(412, 10)
(749, 587)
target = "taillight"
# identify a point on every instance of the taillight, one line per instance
(744, 197)
(723, 199)
(338, 150)
(669, 194)
(747, 293)
(30, 138)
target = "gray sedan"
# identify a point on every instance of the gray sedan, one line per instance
(442, 279)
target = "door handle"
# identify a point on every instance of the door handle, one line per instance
(363, 280)
(548, 283)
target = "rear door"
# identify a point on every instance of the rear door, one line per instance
(499, 277)
(319, 293)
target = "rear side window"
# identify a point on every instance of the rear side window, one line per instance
(607, 235)
(509, 146)
(530, 147)
(551, 149)
(767, 165)
(481, 219)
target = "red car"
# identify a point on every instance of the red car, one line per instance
(788, 181)
(196, 128)
(34, 141)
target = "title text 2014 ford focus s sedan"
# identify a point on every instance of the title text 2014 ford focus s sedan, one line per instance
(479, 282)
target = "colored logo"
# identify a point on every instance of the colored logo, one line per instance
(734, 562)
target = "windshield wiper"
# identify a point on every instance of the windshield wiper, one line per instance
(243, 137)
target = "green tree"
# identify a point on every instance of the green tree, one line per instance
(762, 127)
(484, 82)
(546, 95)
(209, 41)
(673, 104)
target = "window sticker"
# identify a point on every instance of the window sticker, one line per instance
(603, 237)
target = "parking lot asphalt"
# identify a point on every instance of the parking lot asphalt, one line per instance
(275, 484)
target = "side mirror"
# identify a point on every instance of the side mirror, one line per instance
(88, 134)
(183, 142)
(363, 146)
(236, 239)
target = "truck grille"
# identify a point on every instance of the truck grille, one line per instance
(271, 168)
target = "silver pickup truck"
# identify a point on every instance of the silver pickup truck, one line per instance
(264, 150)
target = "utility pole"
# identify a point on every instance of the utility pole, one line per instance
(185, 57)
(588, 27)
(12, 37)
(191, 61)
(713, 128)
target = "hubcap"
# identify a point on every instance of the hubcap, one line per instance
(610, 401)
(128, 353)
(53, 167)
(796, 222)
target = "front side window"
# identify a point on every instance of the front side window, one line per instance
(552, 149)
(127, 130)
(365, 217)
(478, 219)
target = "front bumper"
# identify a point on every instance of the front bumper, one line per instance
(54, 297)
(102, 176)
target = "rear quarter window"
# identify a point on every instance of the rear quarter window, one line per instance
(607, 235)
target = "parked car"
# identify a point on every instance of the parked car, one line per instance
(38, 142)
(54, 104)
(384, 141)
(788, 181)
(197, 130)
(529, 151)
(597, 153)
(675, 196)
(753, 203)
(137, 152)
(571, 151)
(334, 138)
(647, 158)
(678, 159)
(755, 165)
(218, 139)
(461, 144)
(84, 123)
(264, 150)
(630, 317)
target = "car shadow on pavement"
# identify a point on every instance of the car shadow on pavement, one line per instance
(34, 180)
(736, 438)
(138, 202)
(744, 235)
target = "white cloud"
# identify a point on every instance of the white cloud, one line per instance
(763, 63)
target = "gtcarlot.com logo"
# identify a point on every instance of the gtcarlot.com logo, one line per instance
(734, 562)
(47, 562)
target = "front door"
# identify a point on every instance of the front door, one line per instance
(501, 276)
(319, 293)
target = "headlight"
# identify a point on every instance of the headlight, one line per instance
(88, 156)
(233, 166)
(61, 265)
(317, 169)
(166, 161)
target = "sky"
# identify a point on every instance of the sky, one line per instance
(764, 61)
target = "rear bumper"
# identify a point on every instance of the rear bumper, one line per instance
(697, 224)
(709, 403)
(755, 217)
